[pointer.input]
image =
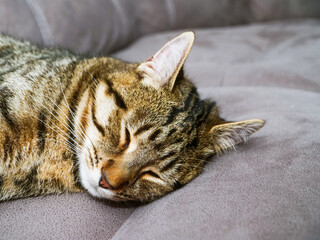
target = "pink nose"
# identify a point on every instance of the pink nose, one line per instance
(104, 182)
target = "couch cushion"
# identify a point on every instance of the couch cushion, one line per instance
(279, 54)
(265, 10)
(103, 26)
(95, 27)
(68, 216)
(268, 188)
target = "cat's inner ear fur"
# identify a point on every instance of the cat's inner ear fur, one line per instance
(227, 135)
(161, 69)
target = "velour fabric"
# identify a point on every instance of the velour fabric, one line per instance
(94, 27)
(277, 54)
(268, 188)
(68, 216)
(177, 14)
(17, 19)
(104, 26)
(264, 10)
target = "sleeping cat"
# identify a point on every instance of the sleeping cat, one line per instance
(122, 131)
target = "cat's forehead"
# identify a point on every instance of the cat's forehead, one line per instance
(129, 85)
(125, 76)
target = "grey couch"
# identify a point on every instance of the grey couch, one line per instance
(256, 58)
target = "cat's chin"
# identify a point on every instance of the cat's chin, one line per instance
(95, 190)
(102, 193)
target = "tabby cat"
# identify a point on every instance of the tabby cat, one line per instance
(122, 131)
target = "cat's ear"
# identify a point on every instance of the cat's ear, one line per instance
(227, 135)
(161, 69)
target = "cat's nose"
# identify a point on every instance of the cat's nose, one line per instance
(113, 179)
(104, 182)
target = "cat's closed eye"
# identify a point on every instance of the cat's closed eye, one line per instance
(151, 173)
(127, 138)
(152, 176)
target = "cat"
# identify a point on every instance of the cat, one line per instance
(121, 131)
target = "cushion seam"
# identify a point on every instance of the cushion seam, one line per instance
(41, 21)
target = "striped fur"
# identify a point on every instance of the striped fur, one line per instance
(70, 123)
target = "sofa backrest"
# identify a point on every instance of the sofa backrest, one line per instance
(103, 26)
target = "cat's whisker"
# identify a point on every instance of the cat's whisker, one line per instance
(71, 111)
(75, 148)
(78, 134)
(61, 130)
(81, 130)
(59, 134)
(68, 148)
(51, 113)
(95, 80)
(67, 105)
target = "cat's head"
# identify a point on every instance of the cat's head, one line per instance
(147, 132)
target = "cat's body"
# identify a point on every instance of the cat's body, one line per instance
(122, 131)
(31, 83)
